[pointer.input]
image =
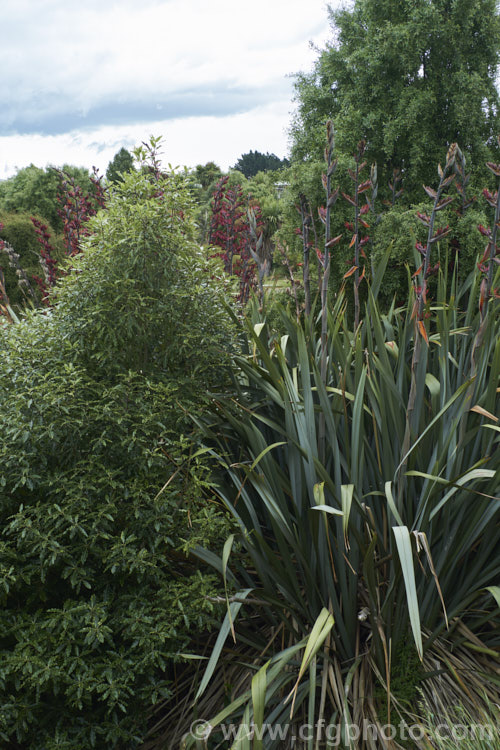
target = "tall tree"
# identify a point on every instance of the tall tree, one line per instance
(206, 174)
(255, 161)
(408, 76)
(121, 163)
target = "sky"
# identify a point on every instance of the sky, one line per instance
(83, 78)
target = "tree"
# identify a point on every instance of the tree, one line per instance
(206, 174)
(122, 162)
(99, 494)
(409, 78)
(255, 161)
(34, 190)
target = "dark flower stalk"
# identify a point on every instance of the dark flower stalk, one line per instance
(396, 191)
(425, 269)
(491, 254)
(306, 245)
(256, 238)
(357, 241)
(324, 213)
(423, 273)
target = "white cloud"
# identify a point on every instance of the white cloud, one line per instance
(186, 141)
(81, 66)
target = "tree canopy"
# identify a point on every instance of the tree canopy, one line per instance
(254, 161)
(409, 77)
(122, 162)
(206, 174)
(34, 190)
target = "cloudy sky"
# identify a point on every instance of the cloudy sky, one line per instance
(82, 78)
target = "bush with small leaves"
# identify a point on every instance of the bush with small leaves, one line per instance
(18, 230)
(100, 495)
(400, 229)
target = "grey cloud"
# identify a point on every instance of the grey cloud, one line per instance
(58, 117)
(99, 147)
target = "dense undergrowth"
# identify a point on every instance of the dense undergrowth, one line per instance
(327, 473)
(360, 463)
(100, 495)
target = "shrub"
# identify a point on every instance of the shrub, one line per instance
(17, 229)
(99, 497)
(399, 229)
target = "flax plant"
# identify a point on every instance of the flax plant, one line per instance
(306, 223)
(360, 186)
(355, 548)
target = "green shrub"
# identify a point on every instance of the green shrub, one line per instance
(400, 228)
(99, 497)
(34, 191)
(19, 232)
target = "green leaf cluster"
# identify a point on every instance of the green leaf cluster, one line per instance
(100, 495)
(356, 500)
(407, 77)
(399, 228)
(34, 190)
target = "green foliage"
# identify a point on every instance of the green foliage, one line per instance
(399, 229)
(34, 190)
(206, 174)
(254, 161)
(372, 532)
(100, 495)
(303, 179)
(19, 232)
(406, 676)
(459, 725)
(263, 188)
(408, 78)
(141, 277)
(203, 180)
(122, 162)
